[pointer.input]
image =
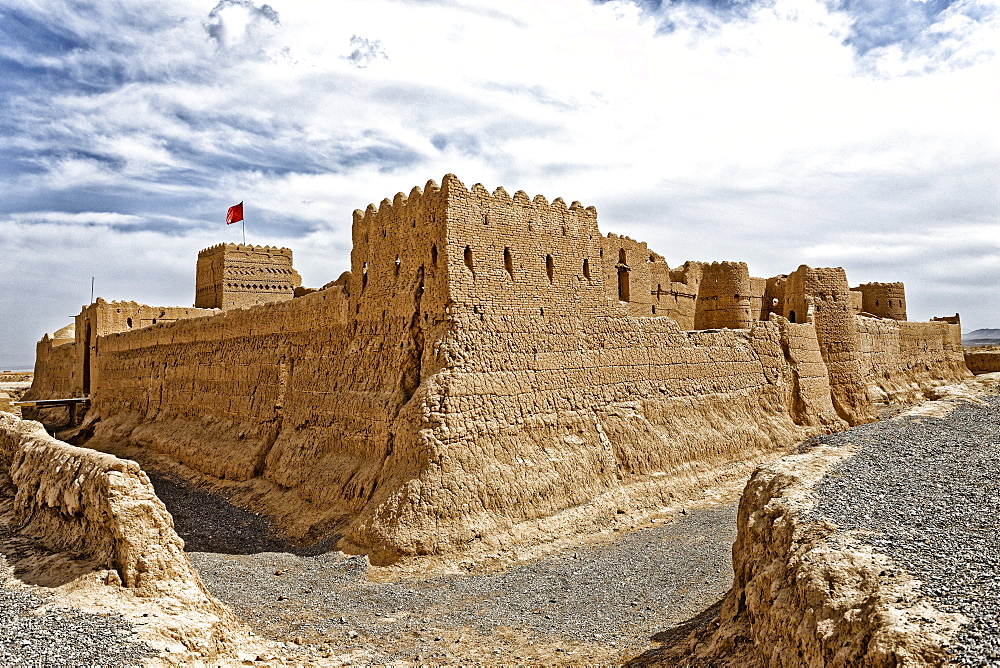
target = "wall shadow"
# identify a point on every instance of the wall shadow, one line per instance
(673, 650)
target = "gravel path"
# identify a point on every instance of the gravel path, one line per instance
(61, 636)
(594, 603)
(929, 490)
(32, 635)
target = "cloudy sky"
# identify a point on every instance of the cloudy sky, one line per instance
(854, 133)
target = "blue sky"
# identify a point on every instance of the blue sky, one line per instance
(855, 133)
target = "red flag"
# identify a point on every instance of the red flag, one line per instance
(235, 214)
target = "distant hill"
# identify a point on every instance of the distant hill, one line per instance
(982, 337)
(982, 334)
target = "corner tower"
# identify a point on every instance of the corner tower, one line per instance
(236, 275)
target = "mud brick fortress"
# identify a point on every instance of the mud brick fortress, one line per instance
(491, 370)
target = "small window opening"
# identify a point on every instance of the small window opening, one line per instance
(128, 321)
(564, 230)
(876, 302)
(623, 286)
(364, 276)
(434, 255)
(154, 321)
(468, 259)
(621, 256)
(486, 219)
(736, 296)
(397, 265)
(541, 311)
(791, 316)
(652, 258)
(654, 310)
(508, 262)
(586, 268)
(601, 253)
(383, 234)
(414, 222)
(549, 267)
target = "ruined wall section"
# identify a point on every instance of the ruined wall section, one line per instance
(240, 275)
(725, 297)
(524, 255)
(823, 297)
(884, 300)
(983, 359)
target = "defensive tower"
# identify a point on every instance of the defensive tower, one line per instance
(237, 275)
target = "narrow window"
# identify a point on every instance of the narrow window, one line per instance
(651, 258)
(586, 268)
(434, 255)
(876, 302)
(791, 316)
(654, 310)
(364, 276)
(128, 321)
(549, 267)
(623, 287)
(508, 262)
(564, 230)
(468, 259)
(621, 256)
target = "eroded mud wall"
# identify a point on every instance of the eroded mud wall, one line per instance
(900, 360)
(547, 415)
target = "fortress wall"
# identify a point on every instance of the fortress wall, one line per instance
(983, 359)
(902, 359)
(725, 297)
(809, 399)
(822, 294)
(548, 423)
(759, 309)
(526, 254)
(400, 253)
(55, 374)
(211, 391)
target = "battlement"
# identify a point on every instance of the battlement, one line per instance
(229, 247)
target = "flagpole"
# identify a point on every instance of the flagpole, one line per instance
(244, 222)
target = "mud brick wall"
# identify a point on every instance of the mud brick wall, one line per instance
(885, 300)
(725, 297)
(239, 275)
(546, 414)
(822, 294)
(55, 372)
(983, 360)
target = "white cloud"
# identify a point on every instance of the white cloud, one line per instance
(760, 134)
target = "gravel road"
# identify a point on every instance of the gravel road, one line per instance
(929, 490)
(33, 632)
(594, 603)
